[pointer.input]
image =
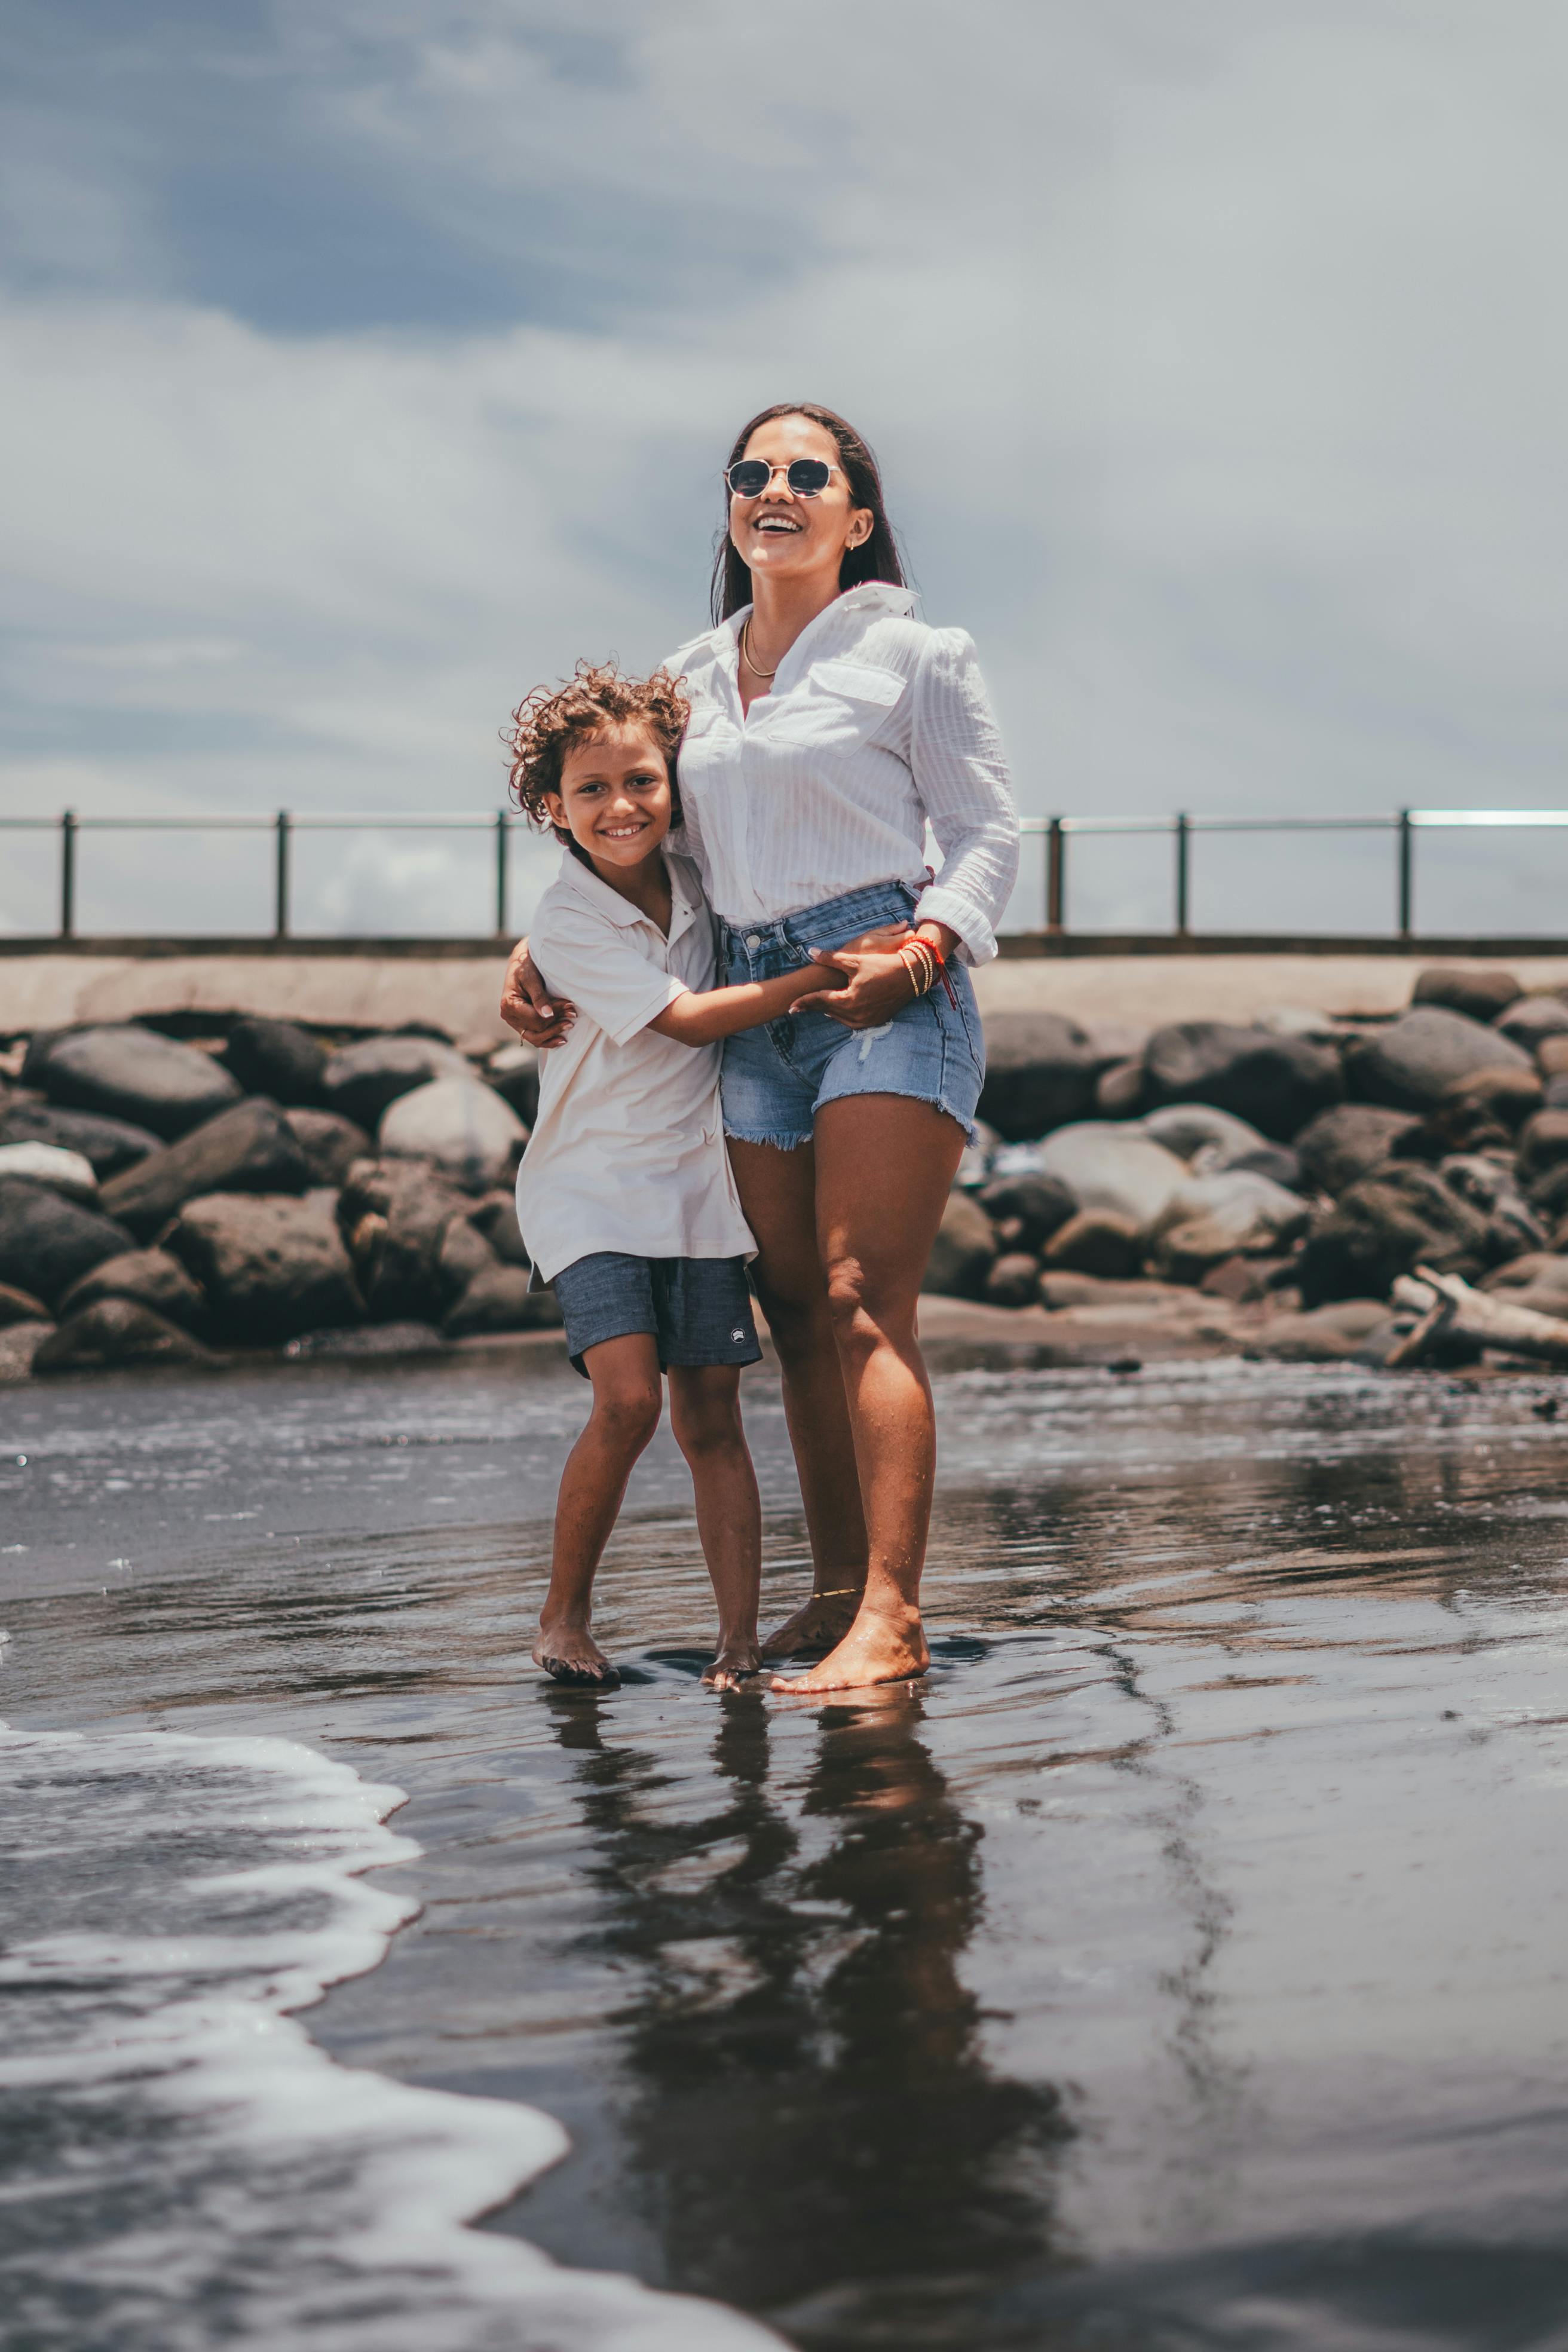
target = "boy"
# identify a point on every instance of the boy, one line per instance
(625, 1195)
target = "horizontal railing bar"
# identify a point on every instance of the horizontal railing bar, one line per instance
(485, 821)
(1480, 817)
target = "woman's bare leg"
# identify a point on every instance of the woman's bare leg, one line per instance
(885, 1165)
(778, 1193)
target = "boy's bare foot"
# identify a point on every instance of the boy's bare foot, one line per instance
(568, 1654)
(876, 1649)
(819, 1624)
(736, 1663)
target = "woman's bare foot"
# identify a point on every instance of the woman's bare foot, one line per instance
(877, 1649)
(737, 1662)
(568, 1654)
(818, 1625)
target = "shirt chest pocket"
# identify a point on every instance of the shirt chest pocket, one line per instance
(839, 705)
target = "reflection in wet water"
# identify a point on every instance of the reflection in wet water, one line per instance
(1181, 1966)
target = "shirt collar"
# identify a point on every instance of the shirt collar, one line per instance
(871, 596)
(684, 906)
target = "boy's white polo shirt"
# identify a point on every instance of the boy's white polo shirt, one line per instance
(628, 1151)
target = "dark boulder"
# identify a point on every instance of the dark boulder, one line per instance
(1278, 1083)
(19, 1345)
(153, 1278)
(20, 1306)
(1542, 1144)
(1348, 1142)
(964, 1252)
(275, 1058)
(116, 1331)
(1487, 1181)
(513, 1071)
(1026, 1209)
(47, 1242)
(1014, 1281)
(1410, 1065)
(361, 1081)
(1548, 1193)
(249, 1148)
(1479, 991)
(1040, 1073)
(1097, 1242)
(1277, 1162)
(331, 1144)
(395, 1214)
(494, 1218)
(1119, 1091)
(130, 1073)
(109, 1144)
(1385, 1225)
(499, 1299)
(272, 1264)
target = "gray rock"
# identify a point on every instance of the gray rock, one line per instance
(1488, 1182)
(1013, 1280)
(367, 1339)
(153, 1278)
(111, 1144)
(20, 1306)
(49, 1163)
(272, 1265)
(116, 1331)
(500, 1300)
(19, 1345)
(1040, 1073)
(1276, 1083)
(276, 1059)
(495, 1217)
(1026, 1209)
(1542, 1144)
(964, 1252)
(1554, 1095)
(1096, 1240)
(1384, 1226)
(396, 1213)
(513, 1071)
(1349, 1142)
(1228, 1214)
(1275, 1160)
(1187, 1129)
(1119, 1091)
(1410, 1065)
(331, 1144)
(1481, 992)
(1549, 1193)
(47, 1242)
(249, 1148)
(1533, 1019)
(463, 1254)
(1538, 1270)
(1299, 1021)
(361, 1081)
(1117, 1168)
(130, 1073)
(465, 1129)
(1506, 1096)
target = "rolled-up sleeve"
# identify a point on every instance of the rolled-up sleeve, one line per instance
(960, 775)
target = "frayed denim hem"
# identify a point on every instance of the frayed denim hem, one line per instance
(776, 1142)
(912, 1093)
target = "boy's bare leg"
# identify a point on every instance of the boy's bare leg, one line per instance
(705, 1415)
(627, 1399)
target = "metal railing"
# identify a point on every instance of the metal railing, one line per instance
(1182, 829)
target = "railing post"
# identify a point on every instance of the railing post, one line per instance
(1406, 874)
(67, 874)
(1055, 878)
(280, 879)
(502, 831)
(1183, 842)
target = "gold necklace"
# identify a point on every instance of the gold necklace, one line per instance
(747, 656)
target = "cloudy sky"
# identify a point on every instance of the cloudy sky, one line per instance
(364, 361)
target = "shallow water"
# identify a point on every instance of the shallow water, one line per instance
(1181, 1966)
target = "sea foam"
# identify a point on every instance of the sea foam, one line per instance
(180, 2164)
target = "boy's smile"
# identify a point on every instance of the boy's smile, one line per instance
(614, 801)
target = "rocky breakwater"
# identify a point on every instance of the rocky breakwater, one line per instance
(1270, 1189)
(166, 1199)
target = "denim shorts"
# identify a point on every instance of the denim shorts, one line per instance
(776, 1078)
(698, 1308)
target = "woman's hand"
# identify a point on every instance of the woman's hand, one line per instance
(880, 985)
(538, 1017)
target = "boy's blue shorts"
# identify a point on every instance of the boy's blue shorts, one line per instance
(698, 1308)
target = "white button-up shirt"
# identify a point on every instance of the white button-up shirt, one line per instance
(874, 724)
(627, 1150)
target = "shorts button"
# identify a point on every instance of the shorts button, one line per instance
(754, 940)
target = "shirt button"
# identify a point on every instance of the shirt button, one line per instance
(754, 940)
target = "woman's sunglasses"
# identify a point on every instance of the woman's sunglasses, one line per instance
(807, 476)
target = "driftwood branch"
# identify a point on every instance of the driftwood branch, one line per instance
(1449, 1308)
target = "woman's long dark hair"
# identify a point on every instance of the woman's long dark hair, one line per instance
(877, 557)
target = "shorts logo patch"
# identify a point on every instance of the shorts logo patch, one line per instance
(736, 1334)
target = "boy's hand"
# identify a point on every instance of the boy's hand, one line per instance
(527, 1005)
(834, 964)
(824, 970)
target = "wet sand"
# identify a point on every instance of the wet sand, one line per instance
(1182, 1965)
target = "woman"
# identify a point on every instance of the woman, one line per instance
(828, 726)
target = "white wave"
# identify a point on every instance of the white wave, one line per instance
(183, 2165)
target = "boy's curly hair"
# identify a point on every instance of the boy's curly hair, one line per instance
(553, 720)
